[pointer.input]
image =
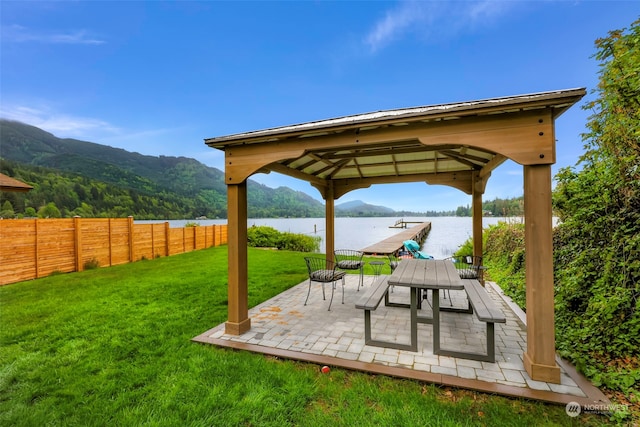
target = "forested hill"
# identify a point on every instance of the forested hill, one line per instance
(72, 177)
(90, 179)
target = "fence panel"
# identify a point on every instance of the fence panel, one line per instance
(200, 236)
(160, 239)
(56, 246)
(189, 239)
(143, 238)
(176, 241)
(93, 233)
(32, 248)
(18, 250)
(121, 241)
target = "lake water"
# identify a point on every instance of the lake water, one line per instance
(445, 237)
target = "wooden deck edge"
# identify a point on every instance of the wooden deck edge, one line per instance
(406, 373)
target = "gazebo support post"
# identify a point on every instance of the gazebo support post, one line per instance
(238, 309)
(476, 217)
(329, 218)
(539, 359)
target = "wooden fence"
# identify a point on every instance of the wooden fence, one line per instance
(32, 248)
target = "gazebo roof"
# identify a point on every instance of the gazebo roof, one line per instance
(403, 116)
(10, 184)
(427, 143)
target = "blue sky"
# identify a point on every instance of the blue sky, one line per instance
(158, 78)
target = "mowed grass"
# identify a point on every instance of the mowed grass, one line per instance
(112, 346)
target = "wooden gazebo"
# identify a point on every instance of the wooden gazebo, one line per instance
(456, 144)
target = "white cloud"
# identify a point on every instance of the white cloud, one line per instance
(485, 11)
(59, 124)
(427, 20)
(395, 22)
(20, 34)
(168, 141)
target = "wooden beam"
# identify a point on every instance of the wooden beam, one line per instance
(491, 165)
(294, 173)
(526, 138)
(243, 161)
(461, 180)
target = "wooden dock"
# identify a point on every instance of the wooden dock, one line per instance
(393, 244)
(401, 223)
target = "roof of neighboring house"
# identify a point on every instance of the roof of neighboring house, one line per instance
(10, 184)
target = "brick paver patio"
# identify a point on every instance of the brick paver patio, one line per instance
(285, 327)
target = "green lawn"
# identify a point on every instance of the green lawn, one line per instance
(111, 346)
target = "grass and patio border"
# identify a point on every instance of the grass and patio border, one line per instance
(113, 346)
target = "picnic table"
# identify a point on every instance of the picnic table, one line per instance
(425, 274)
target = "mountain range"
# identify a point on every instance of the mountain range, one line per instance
(91, 179)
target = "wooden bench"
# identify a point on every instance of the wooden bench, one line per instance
(369, 302)
(486, 311)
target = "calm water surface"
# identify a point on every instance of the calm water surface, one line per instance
(446, 236)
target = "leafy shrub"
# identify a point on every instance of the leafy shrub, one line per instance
(299, 242)
(269, 237)
(597, 246)
(466, 249)
(597, 243)
(504, 258)
(262, 237)
(91, 264)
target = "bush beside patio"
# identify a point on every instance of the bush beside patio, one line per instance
(616, 371)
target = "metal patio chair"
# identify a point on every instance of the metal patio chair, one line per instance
(324, 271)
(348, 259)
(393, 263)
(469, 267)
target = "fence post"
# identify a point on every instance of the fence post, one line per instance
(37, 254)
(77, 235)
(153, 241)
(167, 243)
(110, 244)
(195, 239)
(130, 218)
